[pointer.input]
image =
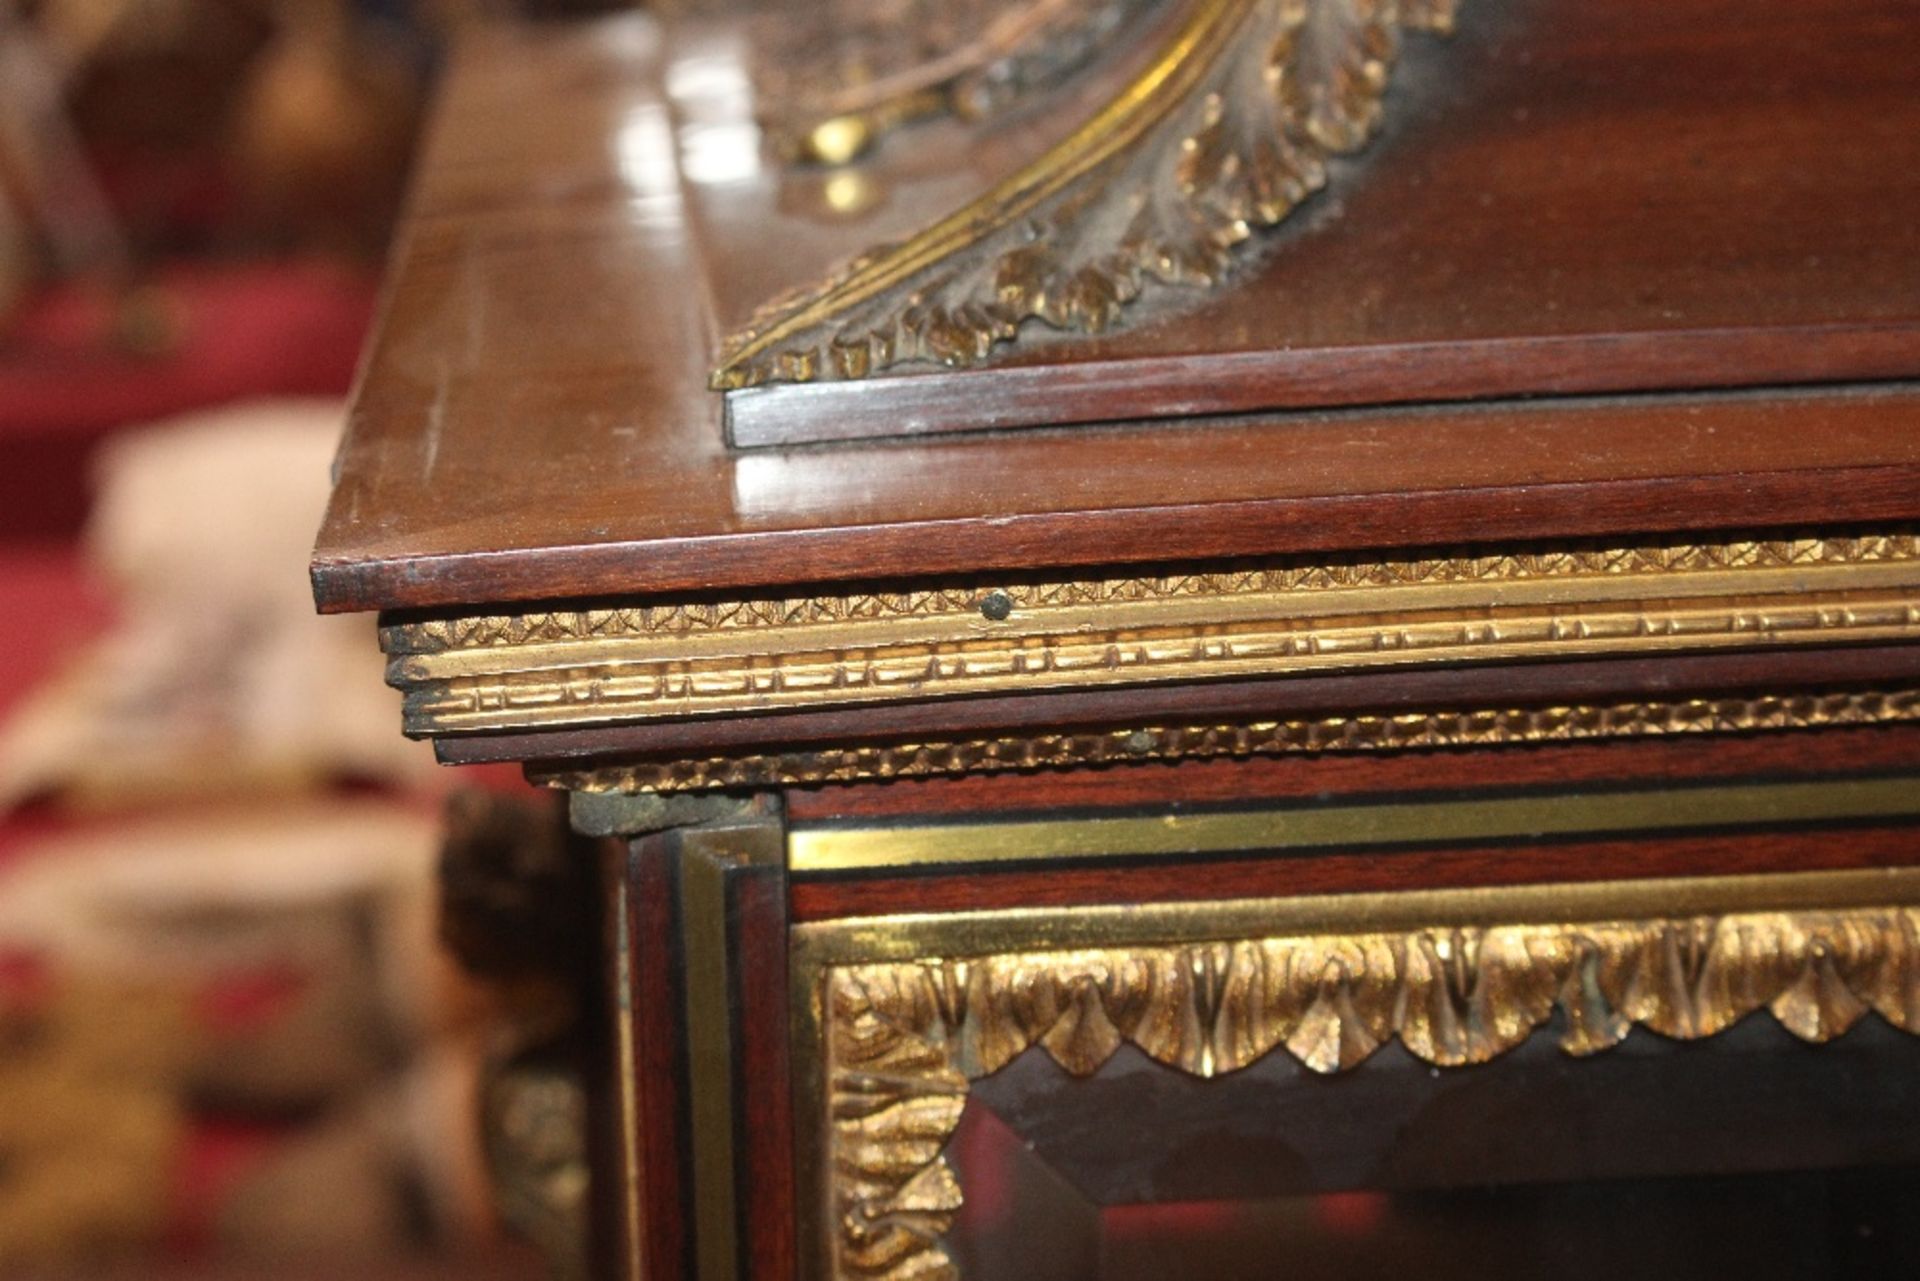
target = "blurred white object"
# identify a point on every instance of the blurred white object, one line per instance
(324, 912)
(218, 676)
(273, 962)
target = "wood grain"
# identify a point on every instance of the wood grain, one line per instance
(532, 421)
(660, 1172)
(1355, 871)
(1201, 385)
(1561, 202)
(763, 1097)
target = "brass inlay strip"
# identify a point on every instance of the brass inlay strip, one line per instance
(1062, 749)
(907, 936)
(1303, 826)
(627, 1096)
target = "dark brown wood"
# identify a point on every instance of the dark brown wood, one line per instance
(1596, 681)
(1189, 503)
(1316, 378)
(827, 897)
(1253, 780)
(763, 1097)
(660, 1172)
(1548, 170)
(533, 422)
(1703, 209)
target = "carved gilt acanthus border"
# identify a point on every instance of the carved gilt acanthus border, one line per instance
(552, 669)
(1228, 128)
(1204, 741)
(903, 1039)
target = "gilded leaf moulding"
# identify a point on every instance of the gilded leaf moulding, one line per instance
(1228, 128)
(1472, 566)
(1204, 741)
(551, 669)
(905, 1038)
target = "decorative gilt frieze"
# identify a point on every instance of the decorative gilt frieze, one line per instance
(1203, 741)
(1468, 568)
(551, 669)
(903, 1039)
(1228, 128)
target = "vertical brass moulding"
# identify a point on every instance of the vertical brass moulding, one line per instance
(807, 1034)
(615, 858)
(830, 848)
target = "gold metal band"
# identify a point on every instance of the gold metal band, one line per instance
(1484, 727)
(829, 848)
(553, 670)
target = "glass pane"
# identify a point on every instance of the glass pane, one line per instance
(1750, 1154)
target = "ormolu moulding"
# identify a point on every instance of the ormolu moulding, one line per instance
(1483, 727)
(903, 1039)
(553, 669)
(1228, 128)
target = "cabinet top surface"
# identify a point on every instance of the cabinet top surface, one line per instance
(533, 419)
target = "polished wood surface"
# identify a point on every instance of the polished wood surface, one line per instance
(1566, 198)
(532, 421)
(1699, 208)
(651, 1062)
(757, 924)
(1385, 778)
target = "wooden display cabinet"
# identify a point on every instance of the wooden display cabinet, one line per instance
(1400, 751)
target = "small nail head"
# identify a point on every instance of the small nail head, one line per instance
(996, 605)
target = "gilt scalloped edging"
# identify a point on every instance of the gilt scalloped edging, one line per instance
(1228, 129)
(905, 1039)
(1485, 727)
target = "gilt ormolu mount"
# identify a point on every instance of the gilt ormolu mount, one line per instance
(1106, 277)
(991, 776)
(1227, 129)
